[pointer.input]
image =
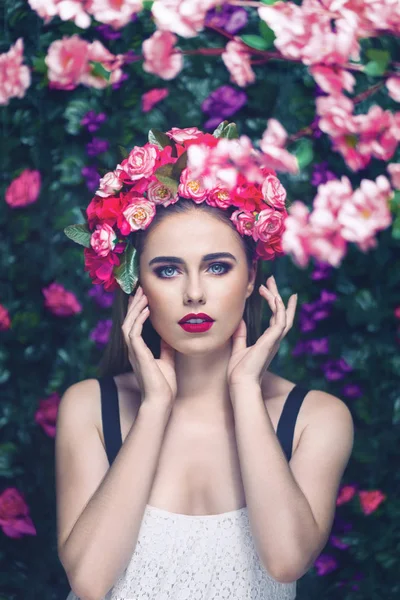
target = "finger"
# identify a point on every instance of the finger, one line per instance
(133, 314)
(269, 297)
(167, 352)
(136, 296)
(290, 312)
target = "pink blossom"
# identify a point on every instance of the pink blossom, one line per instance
(141, 162)
(103, 239)
(15, 78)
(112, 63)
(14, 514)
(24, 189)
(191, 187)
(370, 500)
(160, 56)
(336, 115)
(138, 214)
(60, 302)
(393, 86)
(5, 321)
(152, 97)
(272, 145)
(332, 79)
(219, 197)
(182, 135)
(46, 415)
(67, 10)
(67, 62)
(346, 493)
(244, 221)
(394, 172)
(116, 13)
(273, 191)
(184, 17)
(110, 183)
(295, 235)
(366, 212)
(237, 60)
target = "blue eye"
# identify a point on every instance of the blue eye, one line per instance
(162, 271)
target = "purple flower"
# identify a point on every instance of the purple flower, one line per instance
(102, 298)
(321, 271)
(222, 102)
(229, 18)
(320, 346)
(92, 178)
(300, 348)
(336, 369)
(316, 132)
(101, 332)
(352, 390)
(108, 32)
(321, 174)
(325, 564)
(96, 146)
(338, 543)
(93, 120)
(117, 84)
(327, 297)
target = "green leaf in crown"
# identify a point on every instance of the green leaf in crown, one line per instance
(127, 272)
(178, 167)
(226, 130)
(159, 138)
(164, 174)
(79, 234)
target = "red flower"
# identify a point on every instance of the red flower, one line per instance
(370, 500)
(14, 514)
(346, 493)
(101, 269)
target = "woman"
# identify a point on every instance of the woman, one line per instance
(188, 469)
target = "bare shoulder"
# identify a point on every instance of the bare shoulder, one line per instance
(80, 401)
(321, 407)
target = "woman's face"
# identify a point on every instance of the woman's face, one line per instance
(192, 283)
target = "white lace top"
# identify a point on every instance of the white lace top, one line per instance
(196, 557)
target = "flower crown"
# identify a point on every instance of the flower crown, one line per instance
(221, 169)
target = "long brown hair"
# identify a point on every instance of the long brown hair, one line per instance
(115, 358)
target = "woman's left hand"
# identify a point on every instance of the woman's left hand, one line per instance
(248, 364)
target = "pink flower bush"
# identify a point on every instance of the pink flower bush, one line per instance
(272, 145)
(14, 514)
(183, 17)
(332, 80)
(115, 13)
(237, 60)
(15, 78)
(160, 56)
(67, 10)
(24, 189)
(339, 215)
(394, 171)
(68, 61)
(60, 302)
(5, 321)
(393, 87)
(152, 97)
(46, 415)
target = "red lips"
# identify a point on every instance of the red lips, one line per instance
(193, 316)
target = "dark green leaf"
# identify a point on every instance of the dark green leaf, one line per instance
(159, 138)
(99, 71)
(127, 273)
(379, 62)
(164, 174)
(178, 167)
(255, 41)
(79, 234)
(267, 34)
(226, 130)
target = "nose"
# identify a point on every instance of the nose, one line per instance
(194, 292)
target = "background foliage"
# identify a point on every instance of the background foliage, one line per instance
(43, 353)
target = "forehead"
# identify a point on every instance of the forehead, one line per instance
(193, 233)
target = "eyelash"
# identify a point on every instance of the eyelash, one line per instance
(226, 265)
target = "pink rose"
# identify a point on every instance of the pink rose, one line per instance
(158, 193)
(67, 62)
(15, 78)
(138, 215)
(110, 183)
(244, 221)
(393, 86)
(273, 191)
(272, 145)
(99, 54)
(237, 60)
(152, 97)
(394, 172)
(182, 135)
(190, 187)
(140, 162)
(219, 197)
(24, 189)
(160, 56)
(46, 415)
(103, 239)
(331, 79)
(5, 321)
(60, 302)
(67, 10)
(14, 514)
(184, 17)
(270, 224)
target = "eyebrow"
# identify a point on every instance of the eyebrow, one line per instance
(180, 261)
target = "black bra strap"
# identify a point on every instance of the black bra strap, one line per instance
(110, 417)
(287, 421)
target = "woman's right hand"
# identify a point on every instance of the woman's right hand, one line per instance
(156, 377)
